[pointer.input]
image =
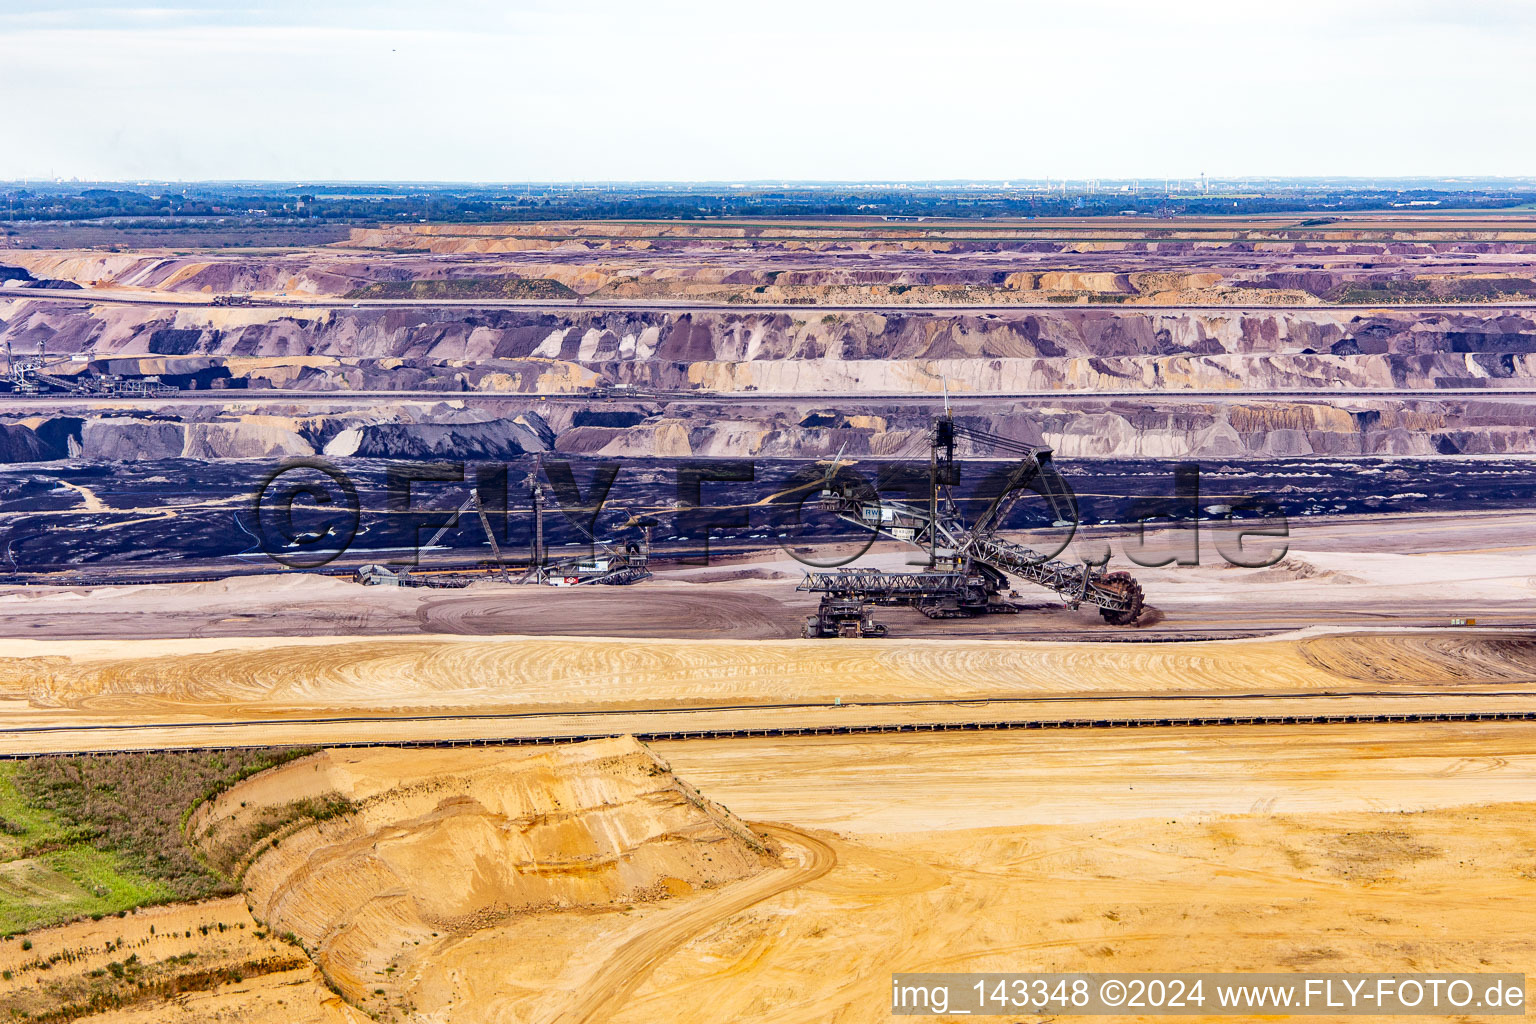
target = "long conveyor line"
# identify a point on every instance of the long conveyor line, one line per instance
(1162, 722)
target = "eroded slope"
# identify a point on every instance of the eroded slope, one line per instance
(442, 850)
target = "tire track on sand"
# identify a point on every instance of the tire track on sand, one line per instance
(601, 995)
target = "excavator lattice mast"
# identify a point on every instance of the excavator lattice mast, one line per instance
(968, 565)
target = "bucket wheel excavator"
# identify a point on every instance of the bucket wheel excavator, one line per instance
(969, 565)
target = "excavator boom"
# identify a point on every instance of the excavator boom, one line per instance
(976, 549)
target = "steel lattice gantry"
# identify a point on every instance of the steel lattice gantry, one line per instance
(968, 565)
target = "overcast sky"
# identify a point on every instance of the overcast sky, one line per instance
(734, 90)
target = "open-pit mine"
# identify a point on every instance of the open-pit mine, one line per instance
(698, 621)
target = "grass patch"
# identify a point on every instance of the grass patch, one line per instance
(79, 881)
(97, 835)
(1477, 289)
(22, 826)
(1381, 293)
(466, 288)
(102, 873)
(50, 872)
(230, 854)
(1484, 289)
(1095, 298)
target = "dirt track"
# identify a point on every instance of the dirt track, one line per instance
(1322, 892)
(1317, 848)
(603, 993)
(1361, 847)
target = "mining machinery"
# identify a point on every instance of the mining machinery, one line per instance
(969, 564)
(846, 616)
(609, 568)
(31, 377)
(605, 566)
(473, 502)
(378, 575)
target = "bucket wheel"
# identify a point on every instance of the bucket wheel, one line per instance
(1122, 584)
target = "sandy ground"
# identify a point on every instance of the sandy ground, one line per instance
(1409, 570)
(1442, 890)
(913, 784)
(1302, 849)
(1313, 849)
(135, 693)
(294, 646)
(668, 661)
(444, 850)
(222, 962)
(1344, 847)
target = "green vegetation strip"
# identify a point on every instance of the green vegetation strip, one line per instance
(466, 288)
(130, 983)
(97, 835)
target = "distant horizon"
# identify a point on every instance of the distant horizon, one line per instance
(1147, 182)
